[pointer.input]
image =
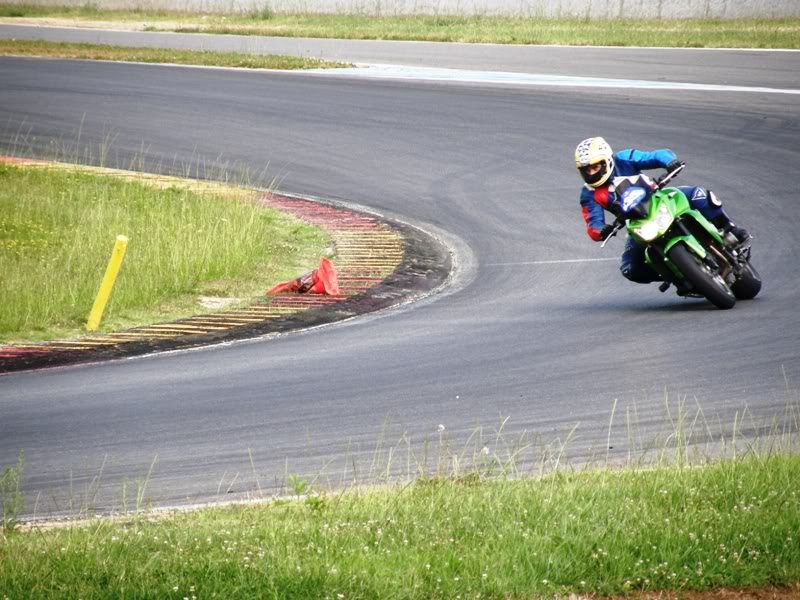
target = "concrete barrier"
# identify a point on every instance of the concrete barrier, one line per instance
(598, 9)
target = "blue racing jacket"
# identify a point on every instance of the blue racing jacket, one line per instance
(626, 163)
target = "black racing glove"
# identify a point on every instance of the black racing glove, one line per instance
(674, 164)
(606, 232)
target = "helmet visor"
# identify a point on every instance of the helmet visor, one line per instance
(592, 174)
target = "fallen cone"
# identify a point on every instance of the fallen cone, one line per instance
(322, 280)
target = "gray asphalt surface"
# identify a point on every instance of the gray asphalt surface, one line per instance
(730, 67)
(520, 340)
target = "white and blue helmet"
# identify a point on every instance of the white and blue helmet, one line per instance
(594, 151)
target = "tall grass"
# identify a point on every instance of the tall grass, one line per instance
(159, 55)
(57, 229)
(733, 523)
(11, 497)
(611, 31)
(471, 523)
(498, 30)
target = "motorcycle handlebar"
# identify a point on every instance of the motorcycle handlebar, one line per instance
(618, 224)
(665, 179)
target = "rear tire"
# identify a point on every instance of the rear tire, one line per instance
(704, 282)
(748, 285)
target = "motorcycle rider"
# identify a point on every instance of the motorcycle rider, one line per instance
(598, 165)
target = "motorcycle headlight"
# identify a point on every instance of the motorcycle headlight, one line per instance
(648, 232)
(655, 226)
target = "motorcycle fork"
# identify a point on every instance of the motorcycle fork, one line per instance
(654, 256)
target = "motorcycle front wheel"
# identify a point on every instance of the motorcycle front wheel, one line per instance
(703, 280)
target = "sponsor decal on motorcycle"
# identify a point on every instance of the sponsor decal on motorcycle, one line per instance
(631, 197)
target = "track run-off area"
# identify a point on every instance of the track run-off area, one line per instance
(536, 343)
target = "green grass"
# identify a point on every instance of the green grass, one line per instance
(571, 32)
(158, 55)
(733, 523)
(11, 496)
(57, 230)
(700, 33)
(693, 511)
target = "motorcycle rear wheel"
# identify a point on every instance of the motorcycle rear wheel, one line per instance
(704, 282)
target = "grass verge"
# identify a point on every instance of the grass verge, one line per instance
(689, 33)
(733, 523)
(158, 55)
(58, 226)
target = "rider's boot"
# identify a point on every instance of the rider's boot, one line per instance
(723, 223)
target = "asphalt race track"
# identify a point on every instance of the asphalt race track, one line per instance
(537, 331)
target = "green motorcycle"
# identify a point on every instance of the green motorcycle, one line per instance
(681, 244)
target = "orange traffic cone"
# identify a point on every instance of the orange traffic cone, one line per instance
(322, 280)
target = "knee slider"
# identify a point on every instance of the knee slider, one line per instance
(626, 271)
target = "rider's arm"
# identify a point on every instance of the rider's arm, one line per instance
(656, 159)
(593, 215)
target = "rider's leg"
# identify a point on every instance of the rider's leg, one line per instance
(710, 207)
(633, 265)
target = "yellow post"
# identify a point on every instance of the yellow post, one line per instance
(108, 283)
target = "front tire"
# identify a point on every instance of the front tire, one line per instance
(709, 284)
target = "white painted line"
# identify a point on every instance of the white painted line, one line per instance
(382, 71)
(551, 262)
